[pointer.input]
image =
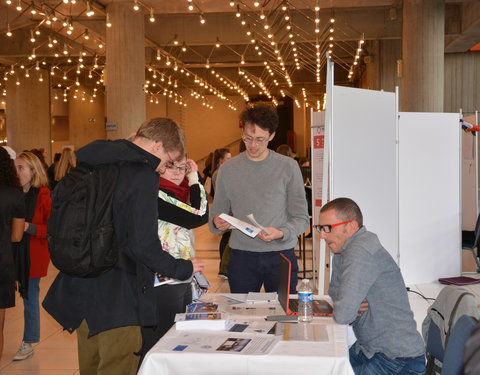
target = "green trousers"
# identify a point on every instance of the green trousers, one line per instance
(110, 352)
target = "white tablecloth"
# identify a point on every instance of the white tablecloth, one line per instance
(287, 357)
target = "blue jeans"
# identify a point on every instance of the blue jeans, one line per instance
(248, 270)
(379, 364)
(31, 312)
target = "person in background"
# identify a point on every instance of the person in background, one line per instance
(51, 170)
(220, 156)
(176, 219)
(12, 224)
(32, 255)
(268, 185)
(285, 150)
(368, 292)
(11, 152)
(207, 173)
(67, 162)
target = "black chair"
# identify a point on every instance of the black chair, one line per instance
(470, 242)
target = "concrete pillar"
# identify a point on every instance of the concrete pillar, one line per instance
(28, 111)
(125, 69)
(423, 55)
(301, 129)
(86, 116)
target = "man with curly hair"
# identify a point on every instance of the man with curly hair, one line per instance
(269, 185)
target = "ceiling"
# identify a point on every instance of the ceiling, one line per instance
(268, 48)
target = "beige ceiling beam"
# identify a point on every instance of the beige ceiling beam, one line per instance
(469, 29)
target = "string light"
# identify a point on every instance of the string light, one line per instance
(152, 17)
(90, 12)
(107, 21)
(136, 7)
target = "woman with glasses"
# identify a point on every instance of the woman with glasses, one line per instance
(179, 184)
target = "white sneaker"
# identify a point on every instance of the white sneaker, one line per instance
(25, 351)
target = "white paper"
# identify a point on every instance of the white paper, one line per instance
(252, 219)
(248, 229)
(165, 280)
(226, 342)
(254, 297)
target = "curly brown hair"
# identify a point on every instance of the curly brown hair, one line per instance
(8, 172)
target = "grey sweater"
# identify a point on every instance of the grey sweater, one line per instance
(271, 189)
(364, 269)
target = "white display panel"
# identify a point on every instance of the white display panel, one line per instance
(429, 196)
(364, 158)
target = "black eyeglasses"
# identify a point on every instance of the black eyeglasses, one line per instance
(180, 168)
(328, 228)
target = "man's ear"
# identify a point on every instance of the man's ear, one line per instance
(157, 146)
(271, 136)
(355, 225)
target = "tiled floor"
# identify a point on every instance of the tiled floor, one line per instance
(56, 354)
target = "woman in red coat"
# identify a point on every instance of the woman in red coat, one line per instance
(32, 252)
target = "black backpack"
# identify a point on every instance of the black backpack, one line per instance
(80, 230)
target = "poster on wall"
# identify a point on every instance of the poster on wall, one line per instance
(318, 148)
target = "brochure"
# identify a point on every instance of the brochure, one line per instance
(250, 230)
(198, 307)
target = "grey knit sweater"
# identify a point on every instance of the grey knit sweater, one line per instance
(271, 189)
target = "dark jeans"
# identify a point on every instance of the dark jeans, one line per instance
(379, 364)
(170, 300)
(248, 270)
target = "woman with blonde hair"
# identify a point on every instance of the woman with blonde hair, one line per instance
(67, 162)
(31, 253)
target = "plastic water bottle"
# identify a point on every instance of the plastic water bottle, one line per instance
(305, 301)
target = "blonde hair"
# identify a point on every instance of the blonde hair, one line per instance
(39, 178)
(165, 130)
(67, 161)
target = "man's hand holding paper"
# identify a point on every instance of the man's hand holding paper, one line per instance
(269, 234)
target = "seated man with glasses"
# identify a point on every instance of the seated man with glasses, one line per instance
(368, 291)
(270, 186)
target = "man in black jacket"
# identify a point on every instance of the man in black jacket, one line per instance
(107, 311)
